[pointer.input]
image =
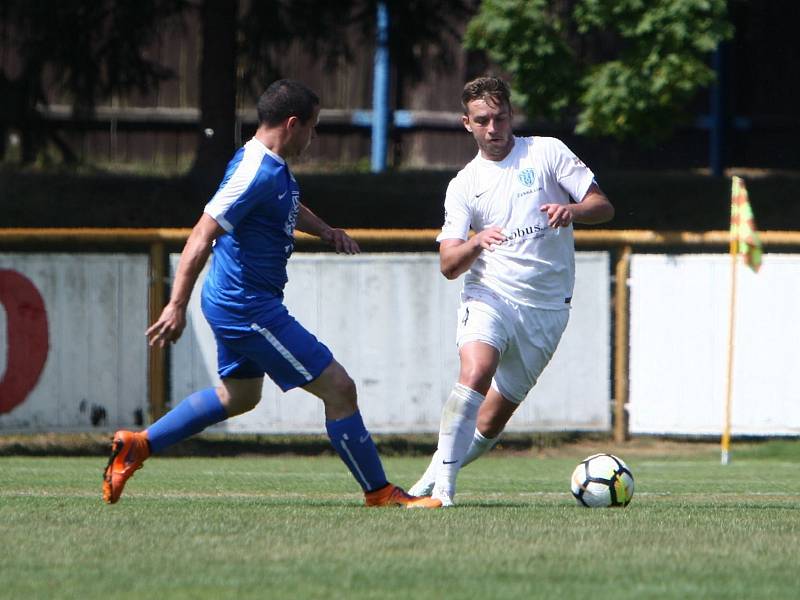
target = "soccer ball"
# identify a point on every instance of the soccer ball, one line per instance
(602, 480)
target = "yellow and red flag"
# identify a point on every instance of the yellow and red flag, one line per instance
(744, 237)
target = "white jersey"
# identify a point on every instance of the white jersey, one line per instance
(535, 266)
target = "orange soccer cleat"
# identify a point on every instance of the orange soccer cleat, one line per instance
(128, 451)
(391, 495)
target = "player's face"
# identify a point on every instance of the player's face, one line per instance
(303, 133)
(490, 125)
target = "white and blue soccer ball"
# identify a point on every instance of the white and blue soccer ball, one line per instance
(602, 480)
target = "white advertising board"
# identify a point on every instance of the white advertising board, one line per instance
(679, 314)
(390, 319)
(72, 351)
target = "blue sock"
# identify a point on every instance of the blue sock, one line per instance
(352, 442)
(192, 415)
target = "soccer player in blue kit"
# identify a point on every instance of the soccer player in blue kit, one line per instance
(249, 223)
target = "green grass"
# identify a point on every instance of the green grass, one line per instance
(284, 527)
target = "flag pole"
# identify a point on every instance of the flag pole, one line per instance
(726, 430)
(734, 254)
(744, 239)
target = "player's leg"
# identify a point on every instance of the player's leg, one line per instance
(492, 419)
(530, 348)
(337, 391)
(196, 412)
(345, 427)
(202, 409)
(493, 415)
(293, 357)
(239, 391)
(192, 415)
(460, 412)
(481, 337)
(478, 446)
(352, 441)
(527, 351)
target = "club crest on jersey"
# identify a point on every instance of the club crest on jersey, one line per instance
(526, 177)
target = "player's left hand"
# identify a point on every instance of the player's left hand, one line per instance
(558, 215)
(340, 241)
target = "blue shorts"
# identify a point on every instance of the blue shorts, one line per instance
(267, 341)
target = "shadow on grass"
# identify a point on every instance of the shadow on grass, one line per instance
(218, 445)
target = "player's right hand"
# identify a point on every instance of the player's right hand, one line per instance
(168, 328)
(490, 237)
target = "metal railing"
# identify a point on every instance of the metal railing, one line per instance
(156, 242)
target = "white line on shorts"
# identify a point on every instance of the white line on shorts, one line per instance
(283, 350)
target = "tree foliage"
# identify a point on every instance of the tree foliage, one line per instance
(624, 68)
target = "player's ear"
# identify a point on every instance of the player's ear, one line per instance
(465, 121)
(291, 122)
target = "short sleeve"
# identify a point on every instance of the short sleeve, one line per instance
(457, 216)
(572, 175)
(235, 197)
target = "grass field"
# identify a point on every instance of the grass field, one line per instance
(293, 527)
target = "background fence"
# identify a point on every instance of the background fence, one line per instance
(390, 319)
(162, 127)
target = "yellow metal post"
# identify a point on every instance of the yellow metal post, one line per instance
(157, 380)
(621, 342)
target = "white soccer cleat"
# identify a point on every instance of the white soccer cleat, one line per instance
(421, 488)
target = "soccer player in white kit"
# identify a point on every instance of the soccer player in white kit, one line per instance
(520, 195)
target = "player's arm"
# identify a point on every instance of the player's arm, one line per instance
(308, 222)
(594, 208)
(456, 255)
(169, 326)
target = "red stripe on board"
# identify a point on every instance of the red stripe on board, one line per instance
(28, 341)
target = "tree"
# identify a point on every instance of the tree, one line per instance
(624, 68)
(86, 49)
(218, 58)
(239, 51)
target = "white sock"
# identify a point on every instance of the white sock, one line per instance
(424, 485)
(456, 431)
(480, 445)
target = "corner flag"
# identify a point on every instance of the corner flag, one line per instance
(745, 241)
(744, 237)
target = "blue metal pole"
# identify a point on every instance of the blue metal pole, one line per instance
(380, 91)
(719, 118)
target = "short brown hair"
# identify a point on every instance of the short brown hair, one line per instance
(486, 87)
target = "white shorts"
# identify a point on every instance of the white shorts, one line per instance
(526, 338)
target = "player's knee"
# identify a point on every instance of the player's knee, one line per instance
(476, 378)
(336, 390)
(340, 398)
(238, 399)
(344, 389)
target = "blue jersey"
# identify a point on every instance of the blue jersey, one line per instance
(257, 205)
